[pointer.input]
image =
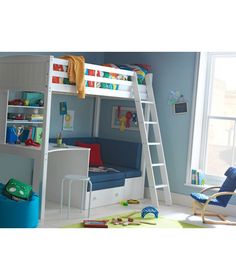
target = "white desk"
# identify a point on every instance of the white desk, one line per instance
(64, 161)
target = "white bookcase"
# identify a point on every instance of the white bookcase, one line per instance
(31, 74)
(34, 74)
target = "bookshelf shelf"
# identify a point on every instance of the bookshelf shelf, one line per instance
(26, 107)
(24, 121)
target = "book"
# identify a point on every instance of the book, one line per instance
(193, 176)
(95, 224)
(38, 135)
(36, 117)
(197, 177)
(28, 133)
(31, 132)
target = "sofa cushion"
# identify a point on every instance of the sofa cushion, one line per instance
(95, 153)
(121, 153)
(106, 176)
(129, 172)
(108, 184)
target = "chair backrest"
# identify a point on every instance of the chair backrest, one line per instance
(229, 185)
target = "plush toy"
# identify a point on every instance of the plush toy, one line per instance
(128, 118)
(122, 120)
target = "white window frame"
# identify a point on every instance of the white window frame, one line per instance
(200, 116)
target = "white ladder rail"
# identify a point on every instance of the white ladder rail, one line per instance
(144, 123)
(157, 132)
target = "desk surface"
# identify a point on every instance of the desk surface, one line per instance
(54, 148)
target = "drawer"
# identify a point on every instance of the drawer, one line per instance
(105, 197)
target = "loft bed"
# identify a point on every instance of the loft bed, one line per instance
(36, 73)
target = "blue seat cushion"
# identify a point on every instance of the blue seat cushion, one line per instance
(108, 184)
(106, 176)
(202, 198)
(129, 172)
(18, 214)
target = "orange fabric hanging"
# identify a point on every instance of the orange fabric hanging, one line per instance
(76, 73)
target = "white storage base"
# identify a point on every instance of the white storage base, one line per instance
(133, 189)
(105, 197)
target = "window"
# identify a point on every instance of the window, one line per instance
(213, 148)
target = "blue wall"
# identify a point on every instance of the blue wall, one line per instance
(171, 71)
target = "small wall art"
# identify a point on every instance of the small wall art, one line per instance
(68, 121)
(124, 118)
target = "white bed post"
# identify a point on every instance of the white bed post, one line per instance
(46, 129)
(96, 116)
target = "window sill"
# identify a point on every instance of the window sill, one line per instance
(198, 186)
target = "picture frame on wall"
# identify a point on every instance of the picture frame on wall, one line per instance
(124, 118)
(68, 120)
(180, 108)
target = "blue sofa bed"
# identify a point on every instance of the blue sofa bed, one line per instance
(123, 156)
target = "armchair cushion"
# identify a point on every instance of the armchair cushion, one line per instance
(202, 198)
(229, 185)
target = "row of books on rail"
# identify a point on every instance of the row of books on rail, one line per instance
(26, 132)
(197, 177)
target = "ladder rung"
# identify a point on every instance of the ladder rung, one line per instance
(147, 102)
(158, 164)
(150, 122)
(160, 186)
(154, 143)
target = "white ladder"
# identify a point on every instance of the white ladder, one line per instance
(144, 115)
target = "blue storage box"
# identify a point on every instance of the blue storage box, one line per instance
(11, 135)
(18, 214)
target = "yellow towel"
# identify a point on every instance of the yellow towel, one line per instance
(76, 73)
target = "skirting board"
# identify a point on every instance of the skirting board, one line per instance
(186, 200)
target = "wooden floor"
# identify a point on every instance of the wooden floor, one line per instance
(53, 218)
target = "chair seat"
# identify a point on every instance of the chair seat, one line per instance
(202, 198)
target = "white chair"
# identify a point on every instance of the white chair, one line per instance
(72, 178)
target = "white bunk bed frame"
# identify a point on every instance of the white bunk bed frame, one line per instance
(34, 73)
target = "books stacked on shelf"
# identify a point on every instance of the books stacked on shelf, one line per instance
(32, 132)
(197, 177)
(36, 117)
